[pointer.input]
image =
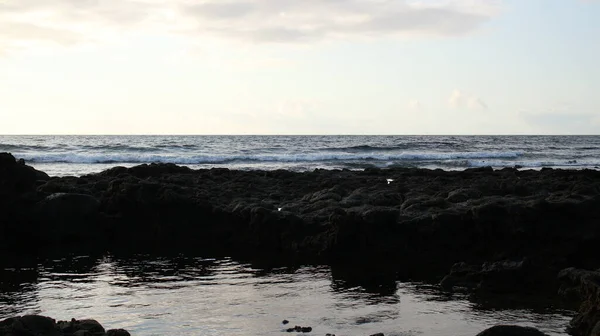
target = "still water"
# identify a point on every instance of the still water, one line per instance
(196, 296)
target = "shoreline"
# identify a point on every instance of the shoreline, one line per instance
(494, 232)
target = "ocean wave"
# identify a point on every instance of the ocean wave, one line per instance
(404, 146)
(366, 148)
(14, 148)
(534, 164)
(222, 159)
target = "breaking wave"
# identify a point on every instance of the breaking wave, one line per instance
(216, 159)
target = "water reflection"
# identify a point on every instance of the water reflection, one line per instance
(188, 296)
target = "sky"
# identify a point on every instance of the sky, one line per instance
(299, 67)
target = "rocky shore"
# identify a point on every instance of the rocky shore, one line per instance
(35, 325)
(489, 232)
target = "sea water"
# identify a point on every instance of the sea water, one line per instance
(78, 155)
(201, 296)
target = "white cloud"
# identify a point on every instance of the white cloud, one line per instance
(459, 99)
(29, 23)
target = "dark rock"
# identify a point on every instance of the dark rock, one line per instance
(35, 325)
(511, 330)
(16, 177)
(82, 333)
(587, 286)
(306, 329)
(91, 326)
(29, 325)
(596, 330)
(69, 207)
(378, 334)
(285, 321)
(426, 217)
(501, 277)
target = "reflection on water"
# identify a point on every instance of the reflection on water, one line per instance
(195, 296)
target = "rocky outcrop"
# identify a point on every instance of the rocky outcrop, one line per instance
(422, 222)
(510, 330)
(585, 286)
(36, 325)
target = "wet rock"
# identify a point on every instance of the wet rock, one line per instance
(587, 285)
(501, 277)
(35, 325)
(29, 325)
(511, 330)
(91, 326)
(300, 329)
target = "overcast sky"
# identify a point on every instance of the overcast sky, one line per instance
(299, 67)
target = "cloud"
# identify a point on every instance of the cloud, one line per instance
(66, 22)
(307, 20)
(459, 99)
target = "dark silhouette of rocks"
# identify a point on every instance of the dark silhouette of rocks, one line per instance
(511, 231)
(35, 325)
(510, 330)
(442, 217)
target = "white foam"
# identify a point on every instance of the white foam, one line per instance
(215, 159)
(535, 164)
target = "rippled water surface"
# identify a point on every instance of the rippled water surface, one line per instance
(78, 155)
(195, 296)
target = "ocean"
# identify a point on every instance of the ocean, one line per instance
(185, 296)
(79, 155)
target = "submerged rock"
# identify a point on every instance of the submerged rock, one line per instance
(511, 330)
(500, 277)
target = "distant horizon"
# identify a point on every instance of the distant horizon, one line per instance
(333, 135)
